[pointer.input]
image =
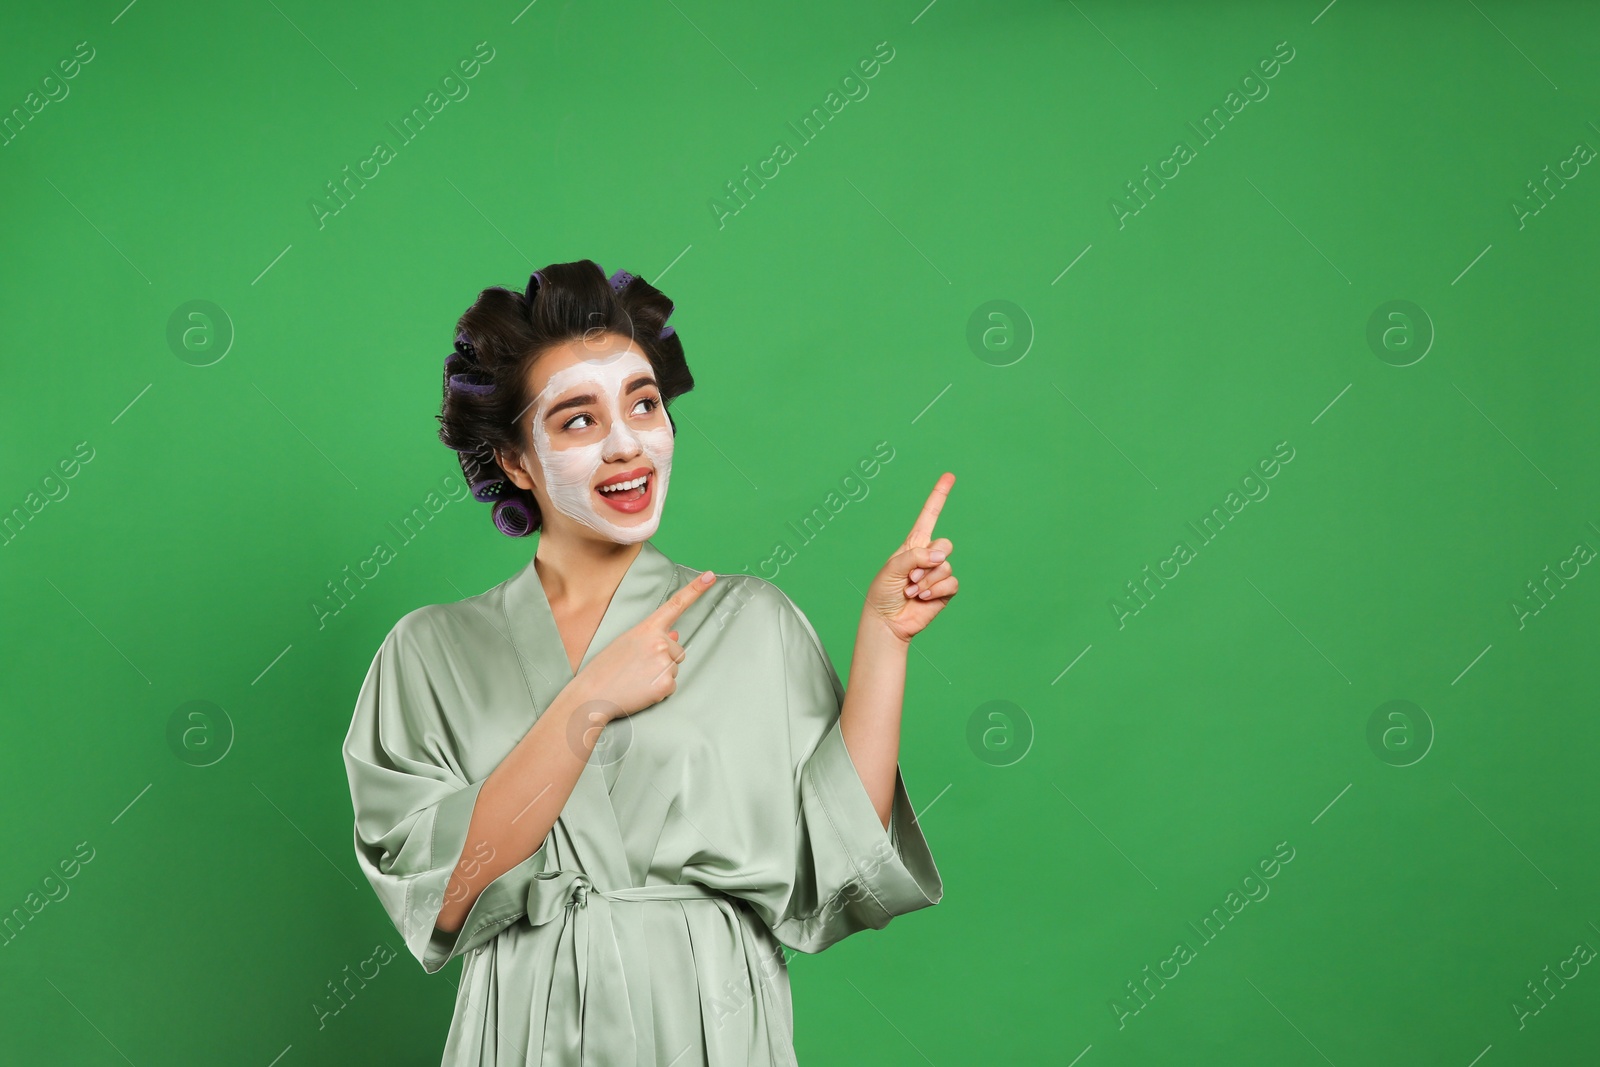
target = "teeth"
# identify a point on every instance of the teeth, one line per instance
(619, 487)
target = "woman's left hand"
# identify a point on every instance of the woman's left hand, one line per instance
(917, 582)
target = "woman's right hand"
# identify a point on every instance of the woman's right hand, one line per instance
(640, 666)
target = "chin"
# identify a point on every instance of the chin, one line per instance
(634, 534)
(622, 535)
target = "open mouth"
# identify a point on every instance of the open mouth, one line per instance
(628, 492)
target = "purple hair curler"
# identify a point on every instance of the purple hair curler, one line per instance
(512, 518)
(619, 280)
(471, 382)
(488, 488)
(468, 377)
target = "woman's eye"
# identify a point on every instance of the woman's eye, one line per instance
(650, 404)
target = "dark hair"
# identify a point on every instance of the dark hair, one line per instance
(497, 341)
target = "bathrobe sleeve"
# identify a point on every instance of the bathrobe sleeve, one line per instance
(413, 803)
(849, 873)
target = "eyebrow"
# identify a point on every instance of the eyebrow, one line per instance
(589, 398)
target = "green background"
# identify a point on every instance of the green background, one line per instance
(1115, 803)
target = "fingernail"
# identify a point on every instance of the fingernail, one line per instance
(937, 557)
(925, 594)
(707, 577)
(911, 591)
(916, 575)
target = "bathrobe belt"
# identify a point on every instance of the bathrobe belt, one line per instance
(601, 977)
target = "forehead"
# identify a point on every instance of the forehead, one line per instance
(606, 361)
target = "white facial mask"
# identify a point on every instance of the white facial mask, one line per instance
(569, 473)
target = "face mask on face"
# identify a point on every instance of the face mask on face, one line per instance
(569, 473)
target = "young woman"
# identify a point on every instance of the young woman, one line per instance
(615, 786)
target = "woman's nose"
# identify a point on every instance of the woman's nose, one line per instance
(620, 443)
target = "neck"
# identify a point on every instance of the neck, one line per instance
(579, 570)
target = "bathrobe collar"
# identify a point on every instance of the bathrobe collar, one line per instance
(588, 816)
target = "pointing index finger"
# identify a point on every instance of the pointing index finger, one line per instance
(922, 532)
(679, 602)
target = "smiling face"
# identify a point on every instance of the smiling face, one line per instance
(601, 443)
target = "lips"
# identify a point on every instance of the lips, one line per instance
(629, 501)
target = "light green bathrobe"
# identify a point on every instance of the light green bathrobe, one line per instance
(646, 929)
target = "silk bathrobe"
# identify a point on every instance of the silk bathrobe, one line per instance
(709, 829)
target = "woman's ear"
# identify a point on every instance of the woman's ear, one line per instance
(510, 462)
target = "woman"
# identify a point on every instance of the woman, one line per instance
(621, 884)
